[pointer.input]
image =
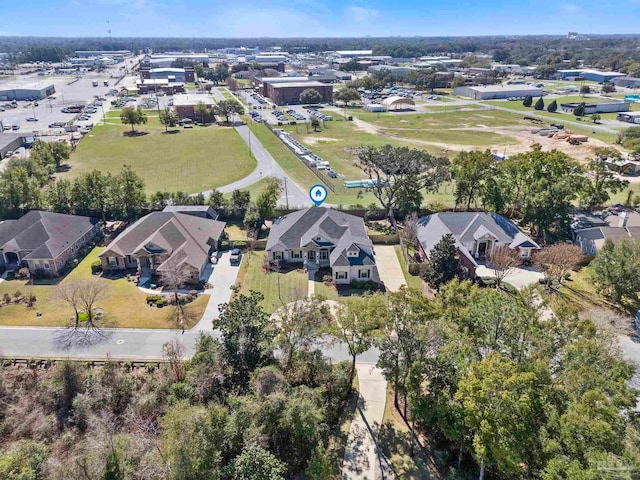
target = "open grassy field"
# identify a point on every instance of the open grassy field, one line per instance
(124, 304)
(277, 288)
(448, 126)
(192, 160)
(343, 135)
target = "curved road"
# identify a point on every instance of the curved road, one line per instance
(267, 167)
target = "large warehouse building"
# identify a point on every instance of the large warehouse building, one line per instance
(27, 91)
(589, 75)
(591, 108)
(492, 92)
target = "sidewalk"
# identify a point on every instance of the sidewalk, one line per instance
(361, 461)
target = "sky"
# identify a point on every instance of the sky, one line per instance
(314, 18)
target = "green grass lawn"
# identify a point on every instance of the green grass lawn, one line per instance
(413, 281)
(191, 160)
(124, 304)
(345, 135)
(277, 288)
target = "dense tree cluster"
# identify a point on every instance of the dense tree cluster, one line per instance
(538, 188)
(502, 393)
(230, 413)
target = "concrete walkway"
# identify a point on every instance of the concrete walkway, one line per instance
(311, 289)
(222, 278)
(389, 267)
(361, 460)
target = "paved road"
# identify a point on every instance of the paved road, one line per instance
(267, 167)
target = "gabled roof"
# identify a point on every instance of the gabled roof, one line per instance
(45, 234)
(185, 238)
(468, 227)
(324, 227)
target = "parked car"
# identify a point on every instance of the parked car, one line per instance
(32, 119)
(235, 256)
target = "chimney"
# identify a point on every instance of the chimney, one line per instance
(623, 219)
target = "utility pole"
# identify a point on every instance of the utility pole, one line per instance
(109, 32)
(286, 194)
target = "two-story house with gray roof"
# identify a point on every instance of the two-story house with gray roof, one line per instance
(320, 237)
(476, 234)
(44, 241)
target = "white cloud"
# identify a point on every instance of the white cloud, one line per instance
(361, 14)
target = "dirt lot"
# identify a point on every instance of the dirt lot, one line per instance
(523, 135)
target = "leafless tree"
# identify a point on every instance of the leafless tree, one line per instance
(182, 314)
(558, 260)
(503, 260)
(410, 231)
(173, 351)
(174, 275)
(69, 291)
(82, 295)
(92, 290)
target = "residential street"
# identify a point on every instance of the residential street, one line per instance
(267, 167)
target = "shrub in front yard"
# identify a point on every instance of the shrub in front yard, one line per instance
(23, 273)
(327, 280)
(159, 303)
(96, 267)
(363, 285)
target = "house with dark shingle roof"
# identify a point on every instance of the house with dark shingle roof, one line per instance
(321, 237)
(164, 238)
(476, 234)
(44, 241)
(615, 228)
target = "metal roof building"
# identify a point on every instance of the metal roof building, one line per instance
(489, 92)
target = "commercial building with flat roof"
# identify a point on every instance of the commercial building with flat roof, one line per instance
(589, 75)
(628, 82)
(285, 93)
(167, 60)
(185, 105)
(629, 117)
(119, 54)
(184, 75)
(151, 85)
(591, 108)
(354, 53)
(26, 91)
(490, 92)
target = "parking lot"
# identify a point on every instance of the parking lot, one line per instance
(70, 91)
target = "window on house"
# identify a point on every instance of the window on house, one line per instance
(296, 254)
(341, 275)
(113, 261)
(364, 273)
(324, 254)
(352, 253)
(277, 255)
(46, 265)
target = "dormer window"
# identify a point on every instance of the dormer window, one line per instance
(352, 253)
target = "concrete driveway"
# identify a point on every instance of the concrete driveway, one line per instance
(520, 277)
(389, 268)
(222, 278)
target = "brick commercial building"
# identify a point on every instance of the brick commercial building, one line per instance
(185, 105)
(161, 85)
(285, 91)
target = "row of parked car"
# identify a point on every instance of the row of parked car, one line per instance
(296, 115)
(320, 116)
(256, 117)
(258, 98)
(281, 117)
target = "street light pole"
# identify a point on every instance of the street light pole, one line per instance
(286, 194)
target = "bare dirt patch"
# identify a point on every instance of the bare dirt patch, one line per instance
(317, 140)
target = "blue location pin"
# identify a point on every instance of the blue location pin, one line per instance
(318, 194)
